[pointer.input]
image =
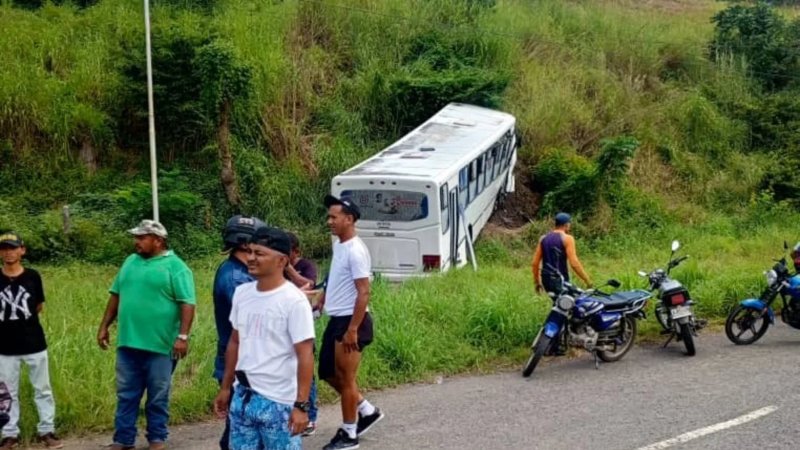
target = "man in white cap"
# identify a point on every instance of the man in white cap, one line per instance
(153, 298)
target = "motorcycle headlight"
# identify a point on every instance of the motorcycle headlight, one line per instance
(772, 277)
(566, 302)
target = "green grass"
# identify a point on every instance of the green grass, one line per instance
(463, 321)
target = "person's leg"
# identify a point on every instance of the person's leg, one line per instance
(346, 370)
(225, 440)
(9, 373)
(39, 374)
(327, 368)
(313, 412)
(158, 381)
(274, 424)
(130, 388)
(244, 431)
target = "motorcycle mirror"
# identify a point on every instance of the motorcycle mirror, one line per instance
(642, 274)
(613, 283)
(675, 245)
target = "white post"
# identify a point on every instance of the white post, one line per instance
(150, 112)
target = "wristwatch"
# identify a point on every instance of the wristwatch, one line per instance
(183, 337)
(303, 406)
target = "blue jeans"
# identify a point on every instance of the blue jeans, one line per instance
(313, 412)
(258, 423)
(137, 371)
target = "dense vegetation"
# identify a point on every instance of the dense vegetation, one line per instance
(682, 107)
(649, 120)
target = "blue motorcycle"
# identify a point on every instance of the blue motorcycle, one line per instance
(603, 324)
(751, 318)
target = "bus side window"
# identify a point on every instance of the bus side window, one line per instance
(506, 153)
(473, 180)
(444, 201)
(481, 174)
(463, 185)
(487, 167)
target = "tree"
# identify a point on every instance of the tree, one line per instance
(224, 79)
(763, 38)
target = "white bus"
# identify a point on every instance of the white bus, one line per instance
(424, 198)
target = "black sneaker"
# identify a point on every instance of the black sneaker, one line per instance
(366, 422)
(341, 442)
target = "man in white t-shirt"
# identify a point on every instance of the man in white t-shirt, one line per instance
(350, 327)
(269, 352)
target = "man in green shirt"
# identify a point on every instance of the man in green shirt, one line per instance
(153, 299)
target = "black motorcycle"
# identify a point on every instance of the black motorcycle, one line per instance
(674, 310)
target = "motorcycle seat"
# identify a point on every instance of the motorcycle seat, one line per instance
(621, 300)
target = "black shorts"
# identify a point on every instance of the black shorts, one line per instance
(334, 332)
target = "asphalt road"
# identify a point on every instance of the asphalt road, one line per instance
(653, 398)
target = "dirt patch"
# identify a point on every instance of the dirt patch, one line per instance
(517, 208)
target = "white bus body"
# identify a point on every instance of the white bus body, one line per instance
(420, 196)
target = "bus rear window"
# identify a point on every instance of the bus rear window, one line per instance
(390, 206)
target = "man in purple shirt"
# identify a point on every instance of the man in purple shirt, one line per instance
(303, 274)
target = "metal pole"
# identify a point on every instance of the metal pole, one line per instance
(150, 112)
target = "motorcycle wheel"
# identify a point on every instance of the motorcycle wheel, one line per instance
(540, 346)
(628, 336)
(688, 338)
(741, 320)
(662, 316)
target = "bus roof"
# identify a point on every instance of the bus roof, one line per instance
(440, 146)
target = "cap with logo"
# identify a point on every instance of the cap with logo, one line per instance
(148, 226)
(11, 239)
(273, 238)
(346, 203)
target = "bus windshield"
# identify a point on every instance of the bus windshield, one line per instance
(389, 205)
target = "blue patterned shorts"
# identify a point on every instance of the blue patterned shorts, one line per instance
(260, 423)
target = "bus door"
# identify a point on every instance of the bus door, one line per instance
(454, 226)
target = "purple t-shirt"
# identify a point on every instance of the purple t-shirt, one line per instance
(307, 269)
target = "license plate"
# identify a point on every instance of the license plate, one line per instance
(680, 311)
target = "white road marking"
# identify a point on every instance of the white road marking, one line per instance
(686, 437)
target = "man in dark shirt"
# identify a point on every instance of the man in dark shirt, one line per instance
(300, 271)
(303, 274)
(22, 341)
(230, 274)
(554, 251)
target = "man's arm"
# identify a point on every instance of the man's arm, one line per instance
(350, 339)
(537, 261)
(181, 347)
(572, 257)
(222, 402)
(108, 318)
(305, 372)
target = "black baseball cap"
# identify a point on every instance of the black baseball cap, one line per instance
(273, 238)
(11, 239)
(346, 203)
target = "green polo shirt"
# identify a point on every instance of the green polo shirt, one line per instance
(151, 292)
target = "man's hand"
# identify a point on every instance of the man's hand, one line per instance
(180, 349)
(222, 402)
(298, 421)
(102, 338)
(350, 340)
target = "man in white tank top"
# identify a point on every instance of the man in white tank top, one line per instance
(350, 327)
